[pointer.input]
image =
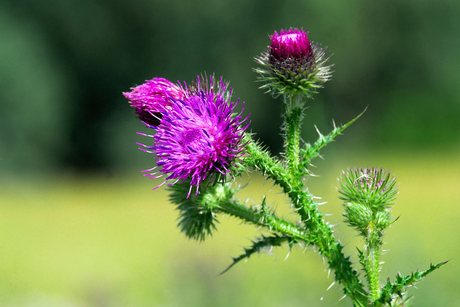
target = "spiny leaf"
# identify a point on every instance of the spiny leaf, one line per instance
(312, 151)
(261, 243)
(392, 291)
(361, 257)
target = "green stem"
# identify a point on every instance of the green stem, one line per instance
(294, 116)
(308, 209)
(373, 257)
(262, 161)
(264, 219)
(320, 232)
(372, 265)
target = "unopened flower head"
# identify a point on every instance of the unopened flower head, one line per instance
(373, 187)
(292, 65)
(199, 138)
(153, 97)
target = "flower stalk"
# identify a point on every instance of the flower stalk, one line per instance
(294, 116)
(320, 233)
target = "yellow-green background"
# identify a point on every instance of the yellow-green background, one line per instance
(98, 241)
(79, 226)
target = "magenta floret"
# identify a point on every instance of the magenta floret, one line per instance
(290, 43)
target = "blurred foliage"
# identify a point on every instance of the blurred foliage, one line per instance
(65, 63)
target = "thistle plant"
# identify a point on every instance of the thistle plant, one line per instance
(202, 145)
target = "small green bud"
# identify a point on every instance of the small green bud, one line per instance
(198, 212)
(368, 194)
(358, 215)
(382, 219)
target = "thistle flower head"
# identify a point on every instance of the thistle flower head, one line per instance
(153, 97)
(370, 186)
(292, 65)
(368, 194)
(200, 137)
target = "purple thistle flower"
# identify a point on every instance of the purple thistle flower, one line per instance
(200, 137)
(152, 98)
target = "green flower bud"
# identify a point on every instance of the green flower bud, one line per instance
(368, 194)
(373, 187)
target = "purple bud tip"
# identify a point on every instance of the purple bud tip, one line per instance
(292, 43)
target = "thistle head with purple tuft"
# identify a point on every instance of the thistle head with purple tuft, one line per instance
(293, 65)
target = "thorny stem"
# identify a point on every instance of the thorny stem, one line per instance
(293, 117)
(372, 265)
(232, 207)
(320, 232)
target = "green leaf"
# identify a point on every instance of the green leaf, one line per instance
(312, 151)
(260, 244)
(394, 291)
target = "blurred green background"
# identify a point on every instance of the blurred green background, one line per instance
(79, 226)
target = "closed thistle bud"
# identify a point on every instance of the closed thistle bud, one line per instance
(368, 194)
(373, 187)
(292, 65)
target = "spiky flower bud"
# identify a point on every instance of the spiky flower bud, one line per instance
(368, 194)
(292, 65)
(152, 98)
(198, 217)
(370, 186)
